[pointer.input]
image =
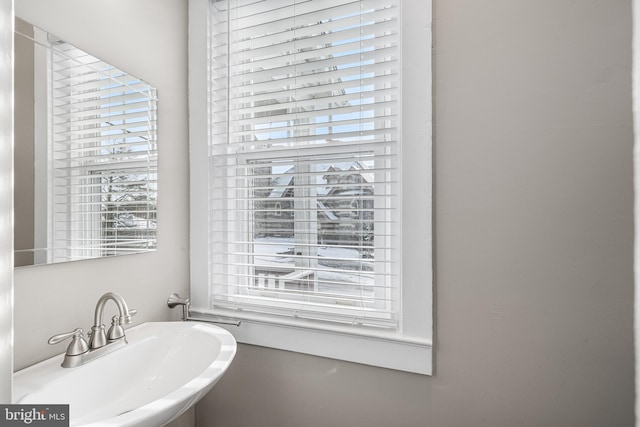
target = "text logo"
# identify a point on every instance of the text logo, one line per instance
(34, 415)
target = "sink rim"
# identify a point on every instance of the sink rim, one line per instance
(35, 378)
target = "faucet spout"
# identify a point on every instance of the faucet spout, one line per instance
(125, 315)
(98, 336)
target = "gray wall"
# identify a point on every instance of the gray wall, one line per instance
(533, 227)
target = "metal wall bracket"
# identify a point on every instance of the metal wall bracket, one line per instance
(175, 300)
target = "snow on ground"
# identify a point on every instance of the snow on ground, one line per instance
(341, 269)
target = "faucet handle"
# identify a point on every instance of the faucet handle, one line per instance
(61, 337)
(125, 320)
(78, 344)
(132, 312)
(116, 331)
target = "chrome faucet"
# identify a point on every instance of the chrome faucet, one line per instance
(100, 343)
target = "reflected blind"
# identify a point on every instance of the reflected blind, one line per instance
(304, 161)
(103, 157)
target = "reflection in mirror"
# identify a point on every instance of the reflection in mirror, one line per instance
(85, 154)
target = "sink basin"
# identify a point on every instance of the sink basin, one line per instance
(164, 369)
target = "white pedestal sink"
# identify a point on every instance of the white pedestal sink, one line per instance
(165, 368)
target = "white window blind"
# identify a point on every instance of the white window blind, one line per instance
(103, 160)
(304, 161)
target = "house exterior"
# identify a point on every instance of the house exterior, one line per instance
(343, 200)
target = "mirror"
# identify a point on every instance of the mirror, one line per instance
(85, 154)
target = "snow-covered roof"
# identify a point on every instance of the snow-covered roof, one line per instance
(284, 180)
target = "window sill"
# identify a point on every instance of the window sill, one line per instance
(383, 350)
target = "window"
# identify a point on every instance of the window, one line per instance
(312, 177)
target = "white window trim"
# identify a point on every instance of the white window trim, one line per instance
(410, 350)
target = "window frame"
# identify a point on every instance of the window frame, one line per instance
(410, 349)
